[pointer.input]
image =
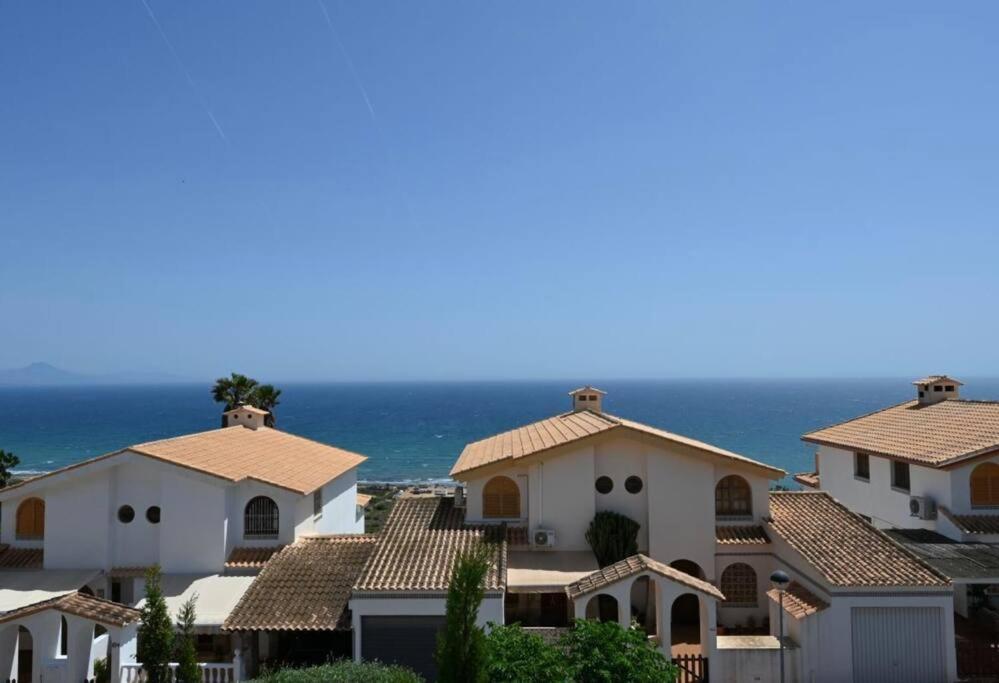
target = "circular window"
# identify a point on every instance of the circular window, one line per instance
(126, 514)
(604, 485)
(633, 484)
(153, 514)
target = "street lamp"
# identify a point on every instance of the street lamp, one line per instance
(779, 580)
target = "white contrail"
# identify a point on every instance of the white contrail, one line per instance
(187, 74)
(346, 57)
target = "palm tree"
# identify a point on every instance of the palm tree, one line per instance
(234, 391)
(265, 397)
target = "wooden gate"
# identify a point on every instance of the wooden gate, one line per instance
(693, 668)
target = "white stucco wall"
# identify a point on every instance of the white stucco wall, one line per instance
(339, 507)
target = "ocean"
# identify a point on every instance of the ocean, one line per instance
(413, 432)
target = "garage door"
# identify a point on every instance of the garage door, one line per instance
(898, 645)
(409, 641)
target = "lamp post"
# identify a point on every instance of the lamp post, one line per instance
(779, 580)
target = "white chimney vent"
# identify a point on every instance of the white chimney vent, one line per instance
(587, 398)
(245, 415)
(936, 388)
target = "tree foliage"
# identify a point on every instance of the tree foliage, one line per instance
(188, 670)
(515, 655)
(8, 461)
(237, 389)
(155, 631)
(613, 537)
(603, 652)
(461, 648)
(342, 672)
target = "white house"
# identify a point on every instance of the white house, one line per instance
(927, 472)
(209, 509)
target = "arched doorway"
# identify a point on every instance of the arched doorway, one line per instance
(688, 567)
(685, 624)
(643, 604)
(602, 607)
(687, 611)
(25, 654)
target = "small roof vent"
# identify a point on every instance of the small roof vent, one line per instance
(587, 398)
(245, 415)
(936, 388)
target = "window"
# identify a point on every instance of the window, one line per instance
(900, 475)
(604, 485)
(126, 514)
(985, 485)
(938, 388)
(949, 387)
(501, 498)
(317, 502)
(633, 484)
(738, 583)
(260, 518)
(31, 520)
(593, 398)
(584, 398)
(153, 514)
(733, 497)
(862, 466)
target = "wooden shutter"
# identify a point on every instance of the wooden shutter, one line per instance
(31, 519)
(985, 484)
(501, 498)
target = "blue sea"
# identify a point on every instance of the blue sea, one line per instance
(414, 431)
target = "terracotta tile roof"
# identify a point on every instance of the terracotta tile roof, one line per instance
(799, 602)
(517, 536)
(250, 558)
(21, 558)
(971, 524)
(932, 379)
(250, 409)
(741, 535)
(86, 606)
(128, 572)
(239, 453)
(844, 548)
(809, 479)
(567, 428)
(363, 499)
(417, 548)
(631, 566)
(305, 587)
(935, 434)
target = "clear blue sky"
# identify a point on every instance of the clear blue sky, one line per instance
(482, 190)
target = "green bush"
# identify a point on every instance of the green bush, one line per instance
(603, 652)
(342, 672)
(515, 655)
(613, 537)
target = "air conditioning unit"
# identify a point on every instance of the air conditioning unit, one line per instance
(459, 497)
(544, 538)
(922, 507)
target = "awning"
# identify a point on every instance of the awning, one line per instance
(961, 562)
(20, 589)
(547, 572)
(217, 595)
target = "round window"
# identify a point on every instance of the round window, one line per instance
(633, 484)
(604, 485)
(126, 514)
(153, 514)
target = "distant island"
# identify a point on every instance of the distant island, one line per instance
(42, 374)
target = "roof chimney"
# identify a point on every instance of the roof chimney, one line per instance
(245, 415)
(936, 388)
(587, 398)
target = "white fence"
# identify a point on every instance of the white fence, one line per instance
(224, 672)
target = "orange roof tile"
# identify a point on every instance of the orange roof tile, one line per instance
(251, 558)
(568, 428)
(419, 544)
(363, 499)
(305, 587)
(936, 434)
(86, 606)
(809, 479)
(21, 558)
(631, 566)
(740, 535)
(973, 524)
(844, 548)
(799, 602)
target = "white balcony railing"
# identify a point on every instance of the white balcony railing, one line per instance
(222, 672)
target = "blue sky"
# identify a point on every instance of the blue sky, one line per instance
(458, 190)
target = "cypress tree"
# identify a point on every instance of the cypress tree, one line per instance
(155, 631)
(188, 670)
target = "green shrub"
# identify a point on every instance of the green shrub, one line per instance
(515, 655)
(342, 672)
(461, 647)
(613, 537)
(603, 652)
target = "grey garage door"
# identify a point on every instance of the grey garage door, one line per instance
(898, 645)
(409, 641)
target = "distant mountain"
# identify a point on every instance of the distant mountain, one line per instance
(47, 375)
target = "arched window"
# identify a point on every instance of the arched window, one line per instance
(738, 583)
(501, 498)
(985, 485)
(733, 497)
(260, 519)
(31, 519)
